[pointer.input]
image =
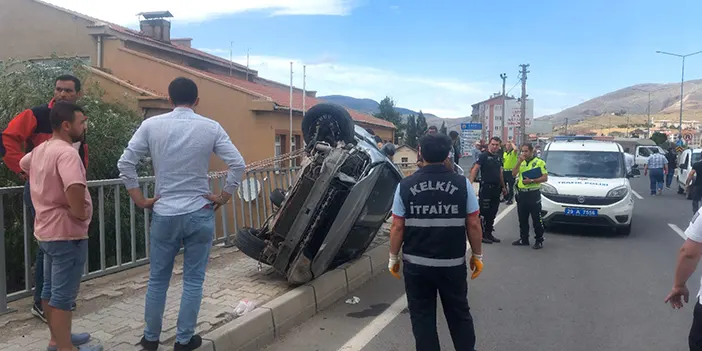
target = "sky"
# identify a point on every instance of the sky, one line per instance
(440, 56)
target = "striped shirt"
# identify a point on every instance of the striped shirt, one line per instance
(657, 161)
(180, 144)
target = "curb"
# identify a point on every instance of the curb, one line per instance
(256, 329)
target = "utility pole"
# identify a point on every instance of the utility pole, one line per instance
(504, 110)
(522, 118)
(566, 127)
(231, 57)
(648, 110)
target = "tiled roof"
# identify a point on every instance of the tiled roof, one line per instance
(282, 98)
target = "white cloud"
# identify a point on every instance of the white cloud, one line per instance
(444, 97)
(126, 12)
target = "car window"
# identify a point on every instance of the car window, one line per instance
(696, 157)
(585, 164)
(644, 151)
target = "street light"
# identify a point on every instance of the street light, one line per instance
(682, 81)
(648, 110)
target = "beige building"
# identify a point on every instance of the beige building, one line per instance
(405, 156)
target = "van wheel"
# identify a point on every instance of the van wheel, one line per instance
(249, 243)
(680, 188)
(330, 123)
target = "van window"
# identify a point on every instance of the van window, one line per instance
(585, 164)
(644, 151)
(696, 157)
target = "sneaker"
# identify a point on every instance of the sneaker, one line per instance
(538, 245)
(149, 345)
(194, 343)
(521, 242)
(486, 240)
(38, 312)
(494, 239)
(76, 339)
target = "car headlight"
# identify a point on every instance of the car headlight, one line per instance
(619, 191)
(548, 189)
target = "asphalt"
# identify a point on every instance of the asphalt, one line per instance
(586, 290)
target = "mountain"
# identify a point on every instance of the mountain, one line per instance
(366, 105)
(665, 98)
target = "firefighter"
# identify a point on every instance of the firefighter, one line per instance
(432, 210)
(530, 171)
(492, 184)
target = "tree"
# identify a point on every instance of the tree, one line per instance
(659, 138)
(411, 132)
(110, 126)
(443, 130)
(387, 112)
(421, 124)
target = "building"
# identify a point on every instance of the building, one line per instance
(406, 156)
(139, 65)
(489, 113)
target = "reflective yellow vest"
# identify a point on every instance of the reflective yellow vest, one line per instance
(527, 166)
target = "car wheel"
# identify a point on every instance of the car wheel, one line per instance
(330, 123)
(624, 230)
(249, 243)
(680, 188)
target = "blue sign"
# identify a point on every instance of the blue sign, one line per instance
(679, 142)
(471, 126)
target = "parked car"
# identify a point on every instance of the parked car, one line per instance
(685, 161)
(330, 215)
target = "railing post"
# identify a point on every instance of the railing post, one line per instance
(3, 273)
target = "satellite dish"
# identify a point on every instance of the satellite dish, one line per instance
(249, 189)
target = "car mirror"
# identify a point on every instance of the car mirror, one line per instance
(388, 149)
(635, 171)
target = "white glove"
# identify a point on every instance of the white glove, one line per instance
(394, 265)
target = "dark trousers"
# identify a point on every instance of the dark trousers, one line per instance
(669, 177)
(509, 183)
(657, 178)
(529, 205)
(421, 284)
(696, 197)
(489, 198)
(695, 337)
(39, 263)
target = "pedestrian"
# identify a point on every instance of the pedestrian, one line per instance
(59, 192)
(688, 258)
(695, 188)
(530, 171)
(509, 156)
(657, 168)
(432, 129)
(492, 185)
(629, 161)
(432, 210)
(26, 131)
(180, 143)
(457, 149)
(672, 158)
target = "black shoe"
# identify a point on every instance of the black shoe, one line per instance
(486, 240)
(509, 202)
(538, 245)
(494, 239)
(73, 307)
(38, 312)
(521, 242)
(148, 345)
(195, 342)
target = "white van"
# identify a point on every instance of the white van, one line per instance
(685, 161)
(587, 185)
(643, 152)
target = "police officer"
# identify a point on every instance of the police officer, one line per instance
(432, 210)
(491, 185)
(530, 172)
(510, 156)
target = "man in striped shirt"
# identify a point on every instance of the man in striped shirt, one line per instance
(656, 167)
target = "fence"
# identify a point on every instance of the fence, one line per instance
(119, 232)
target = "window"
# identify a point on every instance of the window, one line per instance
(278, 148)
(405, 160)
(585, 164)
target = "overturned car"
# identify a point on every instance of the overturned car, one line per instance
(341, 197)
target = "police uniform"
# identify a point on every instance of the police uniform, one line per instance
(508, 163)
(489, 193)
(529, 203)
(435, 203)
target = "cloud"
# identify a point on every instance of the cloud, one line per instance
(444, 97)
(126, 12)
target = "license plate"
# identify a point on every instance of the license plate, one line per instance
(580, 212)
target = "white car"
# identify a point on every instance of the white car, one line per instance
(685, 161)
(587, 185)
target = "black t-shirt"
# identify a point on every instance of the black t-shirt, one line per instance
(490, 165)
(697, 166)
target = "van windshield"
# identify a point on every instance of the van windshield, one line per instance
(585, 164)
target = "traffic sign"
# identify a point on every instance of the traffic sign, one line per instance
(679, 149)
(688, 137)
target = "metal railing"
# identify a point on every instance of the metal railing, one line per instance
(119, 232)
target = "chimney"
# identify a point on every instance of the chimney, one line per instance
(155, 26)
(187, 42)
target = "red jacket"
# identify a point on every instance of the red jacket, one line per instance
(26, 131)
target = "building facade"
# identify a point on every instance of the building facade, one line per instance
(489, 113)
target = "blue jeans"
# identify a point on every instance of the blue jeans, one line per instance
(669, 177)
(64, 262)
(39, 263)
(195, 232)
(657, 177)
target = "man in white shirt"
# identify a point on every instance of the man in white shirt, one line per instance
(690, 254)
(628, 160)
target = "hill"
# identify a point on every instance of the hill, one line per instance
(665, 99)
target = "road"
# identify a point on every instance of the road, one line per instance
(586, 290)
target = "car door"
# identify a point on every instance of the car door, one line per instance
(684, 167)
(642, 154)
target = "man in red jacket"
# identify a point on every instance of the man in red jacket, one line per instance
(26, 131)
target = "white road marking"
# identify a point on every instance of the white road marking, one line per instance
(372, 329)
(636, 194)
(679, 231)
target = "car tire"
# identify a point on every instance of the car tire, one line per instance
(625, 231)
(333, 112)
(249, 243)
(680, 188)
